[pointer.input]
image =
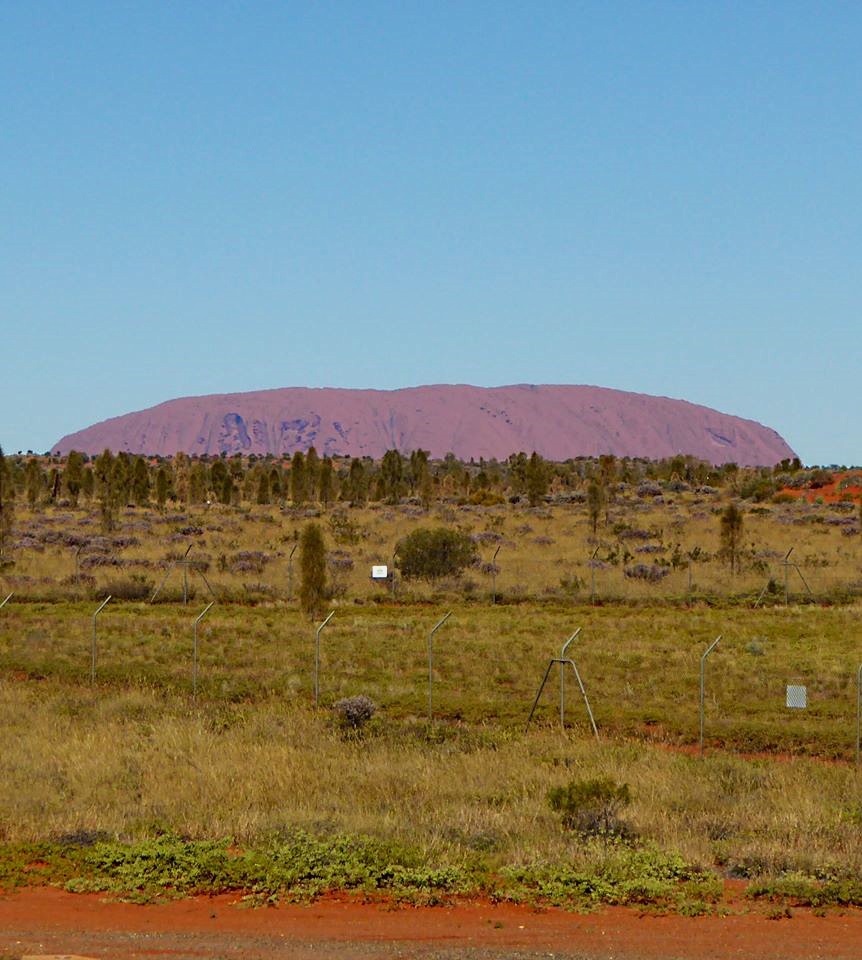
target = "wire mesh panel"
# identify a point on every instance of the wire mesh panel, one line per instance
(797, 696)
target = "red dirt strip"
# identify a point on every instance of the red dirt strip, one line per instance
(43, 921)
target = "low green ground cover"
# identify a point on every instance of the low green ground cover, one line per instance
(134, 791)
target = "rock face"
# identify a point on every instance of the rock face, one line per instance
(557, 422)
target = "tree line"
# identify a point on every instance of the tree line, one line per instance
(127, 479)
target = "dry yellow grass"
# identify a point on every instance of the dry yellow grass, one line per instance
(132, 763)
(544, 551)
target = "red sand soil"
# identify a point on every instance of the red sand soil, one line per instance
(830, 493)
(42, 921)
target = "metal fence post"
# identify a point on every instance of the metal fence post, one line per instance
(317, 658)
(707, 652)
(434, 629)
(198, 619)
(93, 645)
(563, 677)
(494, 575)
(290, 574)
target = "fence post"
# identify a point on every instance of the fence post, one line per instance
(434, 629)
(593, 576)
(102, 605)
(3, 604)
(494, 575)
(317, 658)
(707, 652)
(290, 574)
(198, 619)
(565, 647)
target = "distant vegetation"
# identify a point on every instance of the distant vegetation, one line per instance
(607, 528)
(134, 786)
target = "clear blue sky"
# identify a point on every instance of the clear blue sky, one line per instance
(208, 197)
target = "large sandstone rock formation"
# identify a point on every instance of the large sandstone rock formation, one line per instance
(556, 421)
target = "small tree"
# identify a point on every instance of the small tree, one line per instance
(596, 500)
(325, 485)
(141, 482)
(297, 479)
(198, 483)
(434, 552)
(312, 474)
(225, 494)
(163, 483)
(731, 534)
(356, 488)
(109, 499)
(73, 475)
(391, 475)
(312, 570)
(536, 477)
(88, 483)
(182, 476)
(263, 495)
(121, 478)
(218, 474)
(276, 488)
(34, 481)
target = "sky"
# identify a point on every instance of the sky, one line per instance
(208, 197)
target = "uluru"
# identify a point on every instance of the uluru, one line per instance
(556, 421)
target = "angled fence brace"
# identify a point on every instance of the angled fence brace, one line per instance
(185, 563)
(434, 629)
(706, 653)
(494, 575)
(102, 606)
(198, 619)
(787, 563)
(563, 661)
(317, 658)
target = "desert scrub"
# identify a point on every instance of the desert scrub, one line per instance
(801, 890)
(298, 865)
(619, 873)
(591, 807)
(353, 713)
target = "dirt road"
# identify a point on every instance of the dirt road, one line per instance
(40, 922)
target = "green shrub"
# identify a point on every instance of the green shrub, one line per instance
(591, 806)
(434, 552)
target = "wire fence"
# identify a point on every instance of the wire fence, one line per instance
(642, 676)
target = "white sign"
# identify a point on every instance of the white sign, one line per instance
(380, 572)
(797, 696)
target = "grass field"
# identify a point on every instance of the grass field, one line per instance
(457, 807)
(640, 664)
(132, 785)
